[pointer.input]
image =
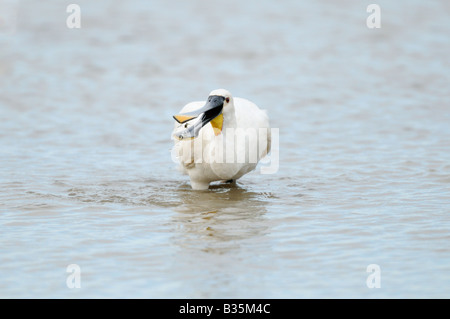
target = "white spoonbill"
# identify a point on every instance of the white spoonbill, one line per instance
(220, 139)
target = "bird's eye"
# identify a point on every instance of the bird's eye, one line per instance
(185, 125)
(227, 99)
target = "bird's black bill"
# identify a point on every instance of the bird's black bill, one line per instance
(204, 115)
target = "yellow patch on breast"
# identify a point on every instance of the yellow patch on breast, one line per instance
(217, 124)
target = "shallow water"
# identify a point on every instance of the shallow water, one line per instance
(86, 174)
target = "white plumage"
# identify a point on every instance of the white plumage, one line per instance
(230, 150)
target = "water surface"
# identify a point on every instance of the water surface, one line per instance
(86, 175)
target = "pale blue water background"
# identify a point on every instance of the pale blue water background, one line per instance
(86, 175)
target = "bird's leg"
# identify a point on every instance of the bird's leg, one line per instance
(199, 185)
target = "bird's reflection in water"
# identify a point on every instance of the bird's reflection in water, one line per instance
(220, 219)
(216, 232)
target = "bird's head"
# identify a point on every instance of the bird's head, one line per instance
(219, 102)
